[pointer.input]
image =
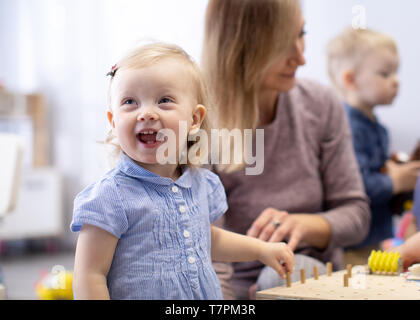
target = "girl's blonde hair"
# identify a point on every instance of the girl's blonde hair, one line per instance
(348, 50)
(242, 37)
(151, 54)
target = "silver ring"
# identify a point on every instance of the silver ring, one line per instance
(275, 223)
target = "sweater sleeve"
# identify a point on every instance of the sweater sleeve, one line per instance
(346, 206)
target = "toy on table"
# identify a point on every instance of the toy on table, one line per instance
(414, 272)
(55, 286)
(381, 262)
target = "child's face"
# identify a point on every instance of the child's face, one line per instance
(149, 99)
(376, 81)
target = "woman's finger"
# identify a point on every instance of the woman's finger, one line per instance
(260, 222)
(281, 232)
(294, 239)
(276, 223)
(267, 232)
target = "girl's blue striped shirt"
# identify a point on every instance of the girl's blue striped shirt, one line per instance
(163, 227)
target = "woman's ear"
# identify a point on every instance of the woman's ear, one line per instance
(348, 78)
(111, 119)
(198, 115)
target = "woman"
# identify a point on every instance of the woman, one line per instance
(310, 193)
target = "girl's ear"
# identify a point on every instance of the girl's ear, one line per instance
(198, 115)
(348, 78)
(111, 119)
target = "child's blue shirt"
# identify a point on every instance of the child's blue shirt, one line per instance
(371, 145)
(163, 227)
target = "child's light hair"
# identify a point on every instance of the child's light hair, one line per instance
(242, 38)
(149, 55)
(348, 50)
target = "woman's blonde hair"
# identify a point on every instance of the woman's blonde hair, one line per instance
(348, 50)
(151, 54)
(242, 37)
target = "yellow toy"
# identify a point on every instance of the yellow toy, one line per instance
(56, 286)
(385, 262)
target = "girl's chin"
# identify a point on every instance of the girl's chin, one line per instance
(146, 160)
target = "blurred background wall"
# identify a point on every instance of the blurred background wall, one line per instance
(62, 50)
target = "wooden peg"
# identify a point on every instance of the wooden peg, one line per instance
(288, 280)
(316, 273)
(329, 269)
(349, 267)
(346, 280)
(302, 275)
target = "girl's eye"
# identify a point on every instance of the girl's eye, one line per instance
(302, 34)
(384, 74)
(165, 100)
(129, 101)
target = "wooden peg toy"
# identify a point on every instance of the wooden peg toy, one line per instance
(329, 269)
(349, 267)
(288, 280)
(346, 280)
(316, 273)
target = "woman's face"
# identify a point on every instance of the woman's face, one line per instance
(280, 75)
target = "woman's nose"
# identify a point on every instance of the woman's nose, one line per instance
(296, 55)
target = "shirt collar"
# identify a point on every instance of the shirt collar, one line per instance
(359, 114)
(132, 169)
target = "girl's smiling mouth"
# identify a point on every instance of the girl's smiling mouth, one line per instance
(147, 137)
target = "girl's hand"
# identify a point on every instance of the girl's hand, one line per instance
(278, 256)
(273, 225)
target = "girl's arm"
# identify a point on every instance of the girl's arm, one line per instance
(94, 253)
(232, 247)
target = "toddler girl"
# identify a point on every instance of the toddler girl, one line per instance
(145, 227)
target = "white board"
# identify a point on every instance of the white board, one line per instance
(39, 211)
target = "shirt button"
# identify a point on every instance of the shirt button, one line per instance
(174, 189)
(191, 260)
(186, 234)
(182, 209)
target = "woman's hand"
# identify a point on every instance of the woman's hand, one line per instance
(273, 225)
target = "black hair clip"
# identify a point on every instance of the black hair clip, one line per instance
(113, 70)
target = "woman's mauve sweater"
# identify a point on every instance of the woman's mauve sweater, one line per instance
(309, 167)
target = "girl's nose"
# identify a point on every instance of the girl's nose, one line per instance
(147, 116)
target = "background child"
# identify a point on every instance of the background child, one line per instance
(363, 67)
(145, 228)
